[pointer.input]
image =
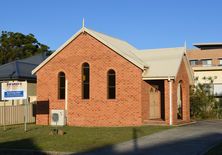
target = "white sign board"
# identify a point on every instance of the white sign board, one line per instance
(14, 90)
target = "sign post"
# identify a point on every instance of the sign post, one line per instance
(25, 115)
(15, 90)
(4, 117)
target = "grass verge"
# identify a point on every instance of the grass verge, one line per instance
(75, 139)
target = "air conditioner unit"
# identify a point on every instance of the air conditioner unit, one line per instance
(58, 117)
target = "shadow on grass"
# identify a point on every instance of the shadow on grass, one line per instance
(23, 146)
(192, 146)
(195, 145)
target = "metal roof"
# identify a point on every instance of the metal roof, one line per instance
(162, 62)
(21, 69)
(121, 47)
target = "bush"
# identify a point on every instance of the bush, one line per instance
(203, 104)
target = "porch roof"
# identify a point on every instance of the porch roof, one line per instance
(163, 63)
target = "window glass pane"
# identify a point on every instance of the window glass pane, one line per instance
(86, 75)
(112, 80)
(220, 62)
(61, 81)
(193, 62)
(112, 93)
(86, 91)
(111, 84)
(207, 62)
(85, 80)
(62, 93)
(218, 89)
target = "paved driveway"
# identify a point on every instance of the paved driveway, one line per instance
(185, 140)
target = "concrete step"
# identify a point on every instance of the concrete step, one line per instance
(154, 122)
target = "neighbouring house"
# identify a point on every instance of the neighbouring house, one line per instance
(20, 70)
(206, 62)
(99, 80)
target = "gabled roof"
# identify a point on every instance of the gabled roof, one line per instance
(156, 63)
(163, 63)
(121, 47)
(21, 69)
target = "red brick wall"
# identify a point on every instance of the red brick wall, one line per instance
(197, 54)
(182, 76)
(145, 100)
(125, 110)
(167, 101)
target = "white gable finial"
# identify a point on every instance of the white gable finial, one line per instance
(83, 23)
(185, 46)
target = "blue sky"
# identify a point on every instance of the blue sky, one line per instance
(143, 23)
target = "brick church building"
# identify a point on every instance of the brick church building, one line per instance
(99, 80)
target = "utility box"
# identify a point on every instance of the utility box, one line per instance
(58, 117)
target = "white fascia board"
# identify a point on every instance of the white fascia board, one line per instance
(189, 70)
(159, 78)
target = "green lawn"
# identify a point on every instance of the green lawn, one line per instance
(76, 138)
(217, 150)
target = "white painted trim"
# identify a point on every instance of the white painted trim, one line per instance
(170, 100)
(66, 100)
(158, 78)
(189, 69)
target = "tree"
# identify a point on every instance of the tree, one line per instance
(203, 103)
(15, 46)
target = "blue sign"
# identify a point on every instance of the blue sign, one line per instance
(9, 94)
(14, 90)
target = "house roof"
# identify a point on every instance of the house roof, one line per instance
(163, 63)
(21, 69)
(121, 47)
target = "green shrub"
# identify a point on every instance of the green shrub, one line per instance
(203, 104)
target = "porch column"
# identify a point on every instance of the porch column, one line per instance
(170, 102)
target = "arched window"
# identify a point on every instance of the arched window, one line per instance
(111, 79)
(179, 101)
(61, 85)
(85, 81)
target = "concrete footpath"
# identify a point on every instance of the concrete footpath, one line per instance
(194, 139)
